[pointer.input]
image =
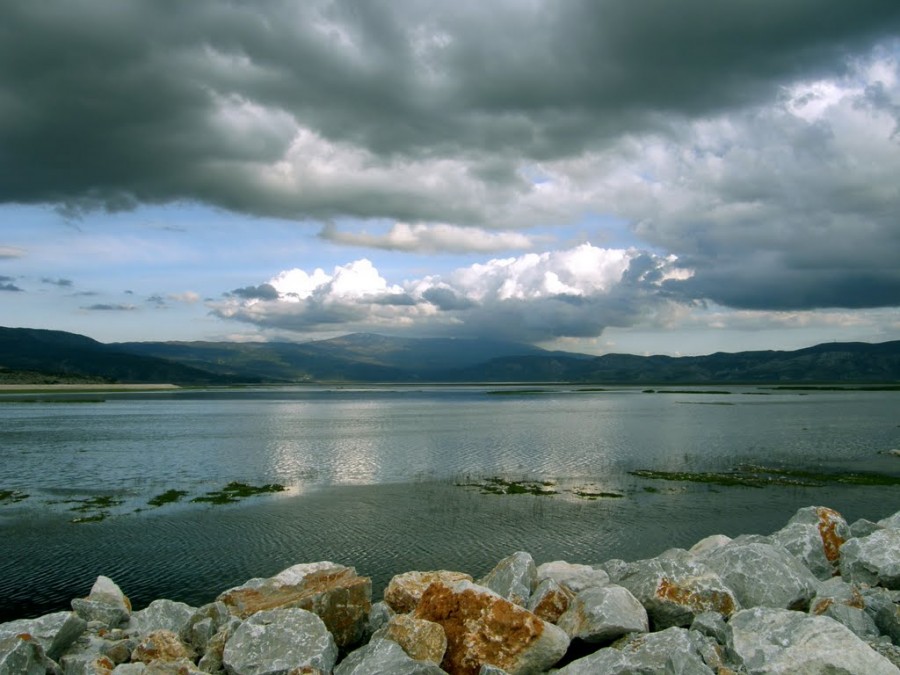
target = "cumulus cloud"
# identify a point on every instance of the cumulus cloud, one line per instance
(574, 292)
(431, 238)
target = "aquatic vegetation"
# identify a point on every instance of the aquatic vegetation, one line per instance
(93, 518)
(93, 503)
(500, 486)
(12, 496)
(516, 392)
(593, 496)
(749, 475)
(235, 491)
(167, 497)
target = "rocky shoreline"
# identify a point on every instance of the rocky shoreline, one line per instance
(817, 596)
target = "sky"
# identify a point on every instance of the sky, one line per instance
(597, 176)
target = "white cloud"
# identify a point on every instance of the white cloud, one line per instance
(11, 252)
(432, 238)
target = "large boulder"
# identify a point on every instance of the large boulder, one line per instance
(779, 641)
(334, 592)
(384, 657)
(873, 560)
(273, 642)
(106, 603)
(762, 574)
(422, 640)
(815, 534)
(572, 576)
(674, 650)
(550, 600)
(22, 655)
(161, 615)
(844, 603)
(54, 632)
(513, 578)
(484, 628)
(675, 590)
(404, 591)
(604, 614)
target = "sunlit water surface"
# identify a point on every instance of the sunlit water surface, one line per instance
(373, 478)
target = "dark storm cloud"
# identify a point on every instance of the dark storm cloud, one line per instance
(115, 104)
(446, 299)
(261, 292)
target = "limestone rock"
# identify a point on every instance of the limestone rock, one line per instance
(275, 641)
(54, 632)
(675, 590)
(211, 661)
(881, 608)
(203, 624)
(674, 650)
(873, 560)
(572, 576)
(604, 614)
(815, 535)
(512, 578)
(106, 604)
(863, 528)
(711, 624)
(709, 543)
(21, 655)
(422, 640)
(483, 628)
(159, 615)
(404, 591)
(844, 603)
(384, 657)
(334, 592)
(779, 641)
(762, 574)
(549, 600)
(160, 645)
(892, 521)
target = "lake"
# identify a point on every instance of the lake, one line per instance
(391, 479)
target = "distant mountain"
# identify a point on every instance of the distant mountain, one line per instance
(365, 357)
(68, 357)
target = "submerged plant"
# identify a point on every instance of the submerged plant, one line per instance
(235, 491)
(12, 496)
(167, 497)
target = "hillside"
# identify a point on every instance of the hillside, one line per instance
(378, 358)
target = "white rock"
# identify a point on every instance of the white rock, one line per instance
(514, 577)
(573, 576)
(603, 614)
(873, 560)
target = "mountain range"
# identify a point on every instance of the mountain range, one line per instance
(37, 355)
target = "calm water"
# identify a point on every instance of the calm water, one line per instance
(372, 476)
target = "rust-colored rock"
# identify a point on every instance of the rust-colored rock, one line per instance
(422, 640)
(334, 592)
(697, 598)
(160, 645)
(829, 521)
(404, 591)
(483, 628)
(550, 601)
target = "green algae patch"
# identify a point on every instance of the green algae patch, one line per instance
(12, 496)
(761, 476)
(167, 497)
(500, 486)
(93, 503)
(591, 495)
(234, 492)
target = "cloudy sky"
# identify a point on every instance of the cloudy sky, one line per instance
(593, 175)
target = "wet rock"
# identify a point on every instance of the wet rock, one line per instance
(815, 534)
(54, 632)
(513, 578)
(22, 655)
(384, 657)
(783, 641)
(484, 628)
(161, 615)
(873, 560)
(675, 590)
(333, 592)
(160, 645)
(422, 640)
(572, 576)
(604, 614)
(275, 641)
(106, 604)
(404, 591)
(762, 574)
(549, 600)
(674, 650)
